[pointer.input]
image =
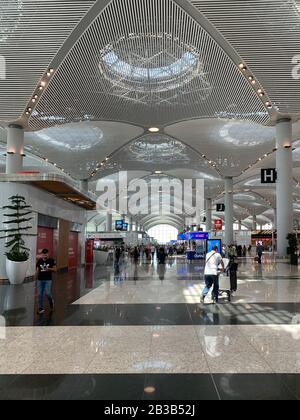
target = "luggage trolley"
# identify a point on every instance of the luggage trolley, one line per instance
(224, 281)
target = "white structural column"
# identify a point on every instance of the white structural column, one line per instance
(108, 222)
(254, 226)
(228, 210)
(130, 227)
(15, 149)
(84, 185)
(284, 197)
(208, 214)
(275, 219)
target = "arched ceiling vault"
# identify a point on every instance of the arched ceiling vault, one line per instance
(87, 78)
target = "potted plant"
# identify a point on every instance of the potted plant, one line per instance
(293, 243)
(17, 257)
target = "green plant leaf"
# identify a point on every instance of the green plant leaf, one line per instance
(17, 221)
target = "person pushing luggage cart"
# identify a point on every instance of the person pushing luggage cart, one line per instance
(211, 274)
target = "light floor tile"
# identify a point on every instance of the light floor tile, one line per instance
(238, 363)
(119, 362)
(188, 362)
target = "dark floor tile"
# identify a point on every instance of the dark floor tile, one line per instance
(252, 387)
(107, 387)
(39, 387)
(292, 381)
(135, 314)
(5, 381)
(180, 387)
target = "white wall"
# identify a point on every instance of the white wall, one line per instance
(41, 202)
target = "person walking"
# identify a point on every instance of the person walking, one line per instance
(211, 277)
(259, 251)
(45, 268)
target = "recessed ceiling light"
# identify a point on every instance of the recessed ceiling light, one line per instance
(158, 172)
(154, 130)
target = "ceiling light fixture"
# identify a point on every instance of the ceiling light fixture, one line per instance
(154, 130)
(242, 67)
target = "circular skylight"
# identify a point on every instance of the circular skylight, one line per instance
(157, 148)
(150, 63)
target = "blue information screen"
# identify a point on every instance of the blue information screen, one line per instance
(198, 236)
(183, 237)
(119, 224)
(212, 243)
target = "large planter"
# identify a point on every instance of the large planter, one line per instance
(294, 259)
(16, 271)
(100, 257)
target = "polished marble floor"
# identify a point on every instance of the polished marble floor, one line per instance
(118, 331)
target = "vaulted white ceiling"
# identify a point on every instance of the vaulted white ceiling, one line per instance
(86, 79)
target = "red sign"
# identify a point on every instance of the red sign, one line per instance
(218, 224)
(89, 251)
(73, 249)
(45, 240)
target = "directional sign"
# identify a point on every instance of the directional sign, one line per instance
(220, 207)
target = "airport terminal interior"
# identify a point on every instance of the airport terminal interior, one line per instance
(137, 139)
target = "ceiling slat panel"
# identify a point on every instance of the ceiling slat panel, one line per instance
(31, 33)
(146, 62)
(266, 34)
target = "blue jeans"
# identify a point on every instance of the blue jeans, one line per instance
(44, 287)
(209, 282)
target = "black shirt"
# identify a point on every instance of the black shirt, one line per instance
(42, 266)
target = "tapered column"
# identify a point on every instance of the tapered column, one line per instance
(208, 214)
(108, 222)
(84, 185)
(15, 149)
(284, 197)
(254, 223)
(239, 225)
(228, 211)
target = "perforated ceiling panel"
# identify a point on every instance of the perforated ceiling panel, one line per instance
(146, 63)
(31, 33)
(266, 33)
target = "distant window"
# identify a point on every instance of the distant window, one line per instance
(163, 233)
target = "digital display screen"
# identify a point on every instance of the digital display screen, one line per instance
(198, 236)
(119, 224)
(183, 237)
(212, 243)
(125, 227)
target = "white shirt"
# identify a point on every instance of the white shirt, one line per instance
(213, 260)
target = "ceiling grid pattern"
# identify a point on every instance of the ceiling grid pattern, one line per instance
(31, 33)
(146, 63)
(266, 34)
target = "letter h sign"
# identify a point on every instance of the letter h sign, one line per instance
(268, 176)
